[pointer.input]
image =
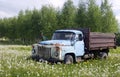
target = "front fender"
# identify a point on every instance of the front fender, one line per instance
(66, 50)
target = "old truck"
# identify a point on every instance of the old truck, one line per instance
(74, 45)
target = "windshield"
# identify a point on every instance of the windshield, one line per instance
(63, 36)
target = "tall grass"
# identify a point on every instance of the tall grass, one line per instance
(14, 63)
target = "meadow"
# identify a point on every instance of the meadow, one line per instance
(14, 63)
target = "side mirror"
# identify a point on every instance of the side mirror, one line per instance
(80, 37)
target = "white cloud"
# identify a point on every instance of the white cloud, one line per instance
(57, 3)
(115, 4)
(116, 8)
(118, 17)
(14, 6)
(4, 14)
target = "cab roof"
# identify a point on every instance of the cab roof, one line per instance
(74, 31)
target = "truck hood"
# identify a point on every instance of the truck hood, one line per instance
(52, 42)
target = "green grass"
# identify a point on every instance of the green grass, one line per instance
(13, 63)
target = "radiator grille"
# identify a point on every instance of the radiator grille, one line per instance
(44, 52)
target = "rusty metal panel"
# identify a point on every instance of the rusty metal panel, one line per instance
(101, 40)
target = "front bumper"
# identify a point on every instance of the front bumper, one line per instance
(37, 58)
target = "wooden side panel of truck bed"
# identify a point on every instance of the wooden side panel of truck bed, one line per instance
(101, 40)
(97, 40)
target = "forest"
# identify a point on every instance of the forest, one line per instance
(28, 24)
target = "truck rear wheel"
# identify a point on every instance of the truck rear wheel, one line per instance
(104, 55)
(68, 59)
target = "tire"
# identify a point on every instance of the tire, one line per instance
(36, 58)
(104, 55)
(68, 59)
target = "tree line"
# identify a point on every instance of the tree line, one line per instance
(28, 25)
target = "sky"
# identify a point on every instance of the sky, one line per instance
(10, 8)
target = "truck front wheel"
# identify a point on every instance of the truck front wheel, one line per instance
(68, 59)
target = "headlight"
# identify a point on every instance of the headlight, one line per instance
(56, 54)
(57, 51)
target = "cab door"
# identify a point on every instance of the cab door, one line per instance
(79, 45)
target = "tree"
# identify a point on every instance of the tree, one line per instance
(31, 23)
(48, 20)
(11, 28)
(24, 26)
(68, 15)
(109, 23)
(36, 27)
(2, 28)
(94, 16)
(81, 15)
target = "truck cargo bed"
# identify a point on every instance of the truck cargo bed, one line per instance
(97, 40)
(101, 40)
